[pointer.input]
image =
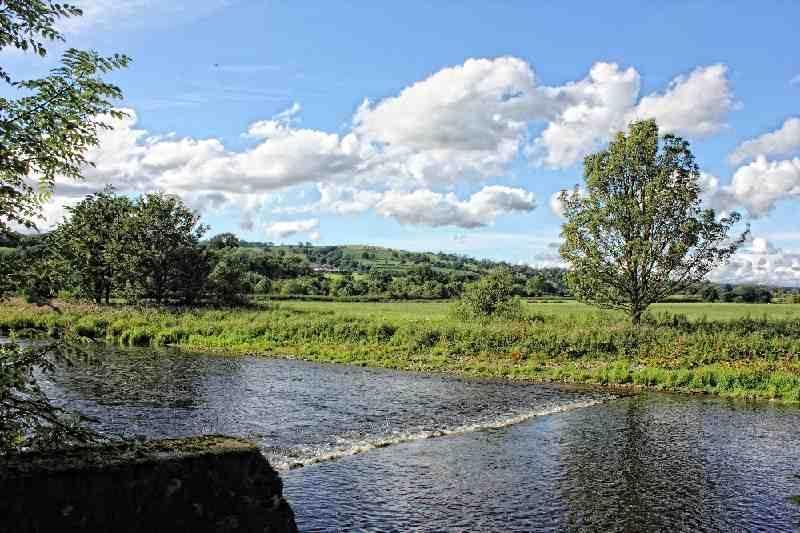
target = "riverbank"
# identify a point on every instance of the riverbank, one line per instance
(734, 350)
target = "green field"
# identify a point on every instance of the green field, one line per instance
(737, 350)
(438, 310)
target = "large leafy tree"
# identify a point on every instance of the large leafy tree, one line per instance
(45, 132)
(638, 232)
(91, 241)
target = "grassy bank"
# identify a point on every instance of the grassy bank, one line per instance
(739, 350)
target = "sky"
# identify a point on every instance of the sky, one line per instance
(441, 125)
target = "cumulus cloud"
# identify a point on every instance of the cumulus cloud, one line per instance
(437, 209)
(284, 229)
(465, 123)
(594, 109)
(783, 141)
(759, 185)
(761, 263)
(694, 105)
(606, 101)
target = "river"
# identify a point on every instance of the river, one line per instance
(375, 450)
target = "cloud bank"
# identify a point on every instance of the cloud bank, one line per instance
(405, 155)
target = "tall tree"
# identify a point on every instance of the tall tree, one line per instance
(638, 232)
(91, 241)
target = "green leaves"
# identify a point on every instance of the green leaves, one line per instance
(639, 233)
(46, 132)
(490, 297)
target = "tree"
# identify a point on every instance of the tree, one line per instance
(535, 286)
(489, 297)
(43, 134)
(91, 241)
(710, 293)
(639, 233)
(157, 238)
(227, 280)
(46, 132)
(223, 240)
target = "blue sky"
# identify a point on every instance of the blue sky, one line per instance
(476, 114)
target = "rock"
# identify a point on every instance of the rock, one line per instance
(198, 484)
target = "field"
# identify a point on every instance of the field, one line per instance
(438, 310)
(736, 350)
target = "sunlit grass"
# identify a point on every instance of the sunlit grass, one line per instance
(740, 350)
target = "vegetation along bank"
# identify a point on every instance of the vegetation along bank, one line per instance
(735, 350)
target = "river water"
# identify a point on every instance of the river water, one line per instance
(392, 451)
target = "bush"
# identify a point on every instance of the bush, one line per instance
(490, 297)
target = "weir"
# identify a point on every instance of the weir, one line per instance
(209, 483)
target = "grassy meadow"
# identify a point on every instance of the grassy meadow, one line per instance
(737, 350)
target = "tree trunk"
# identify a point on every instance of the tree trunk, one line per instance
(636, 315)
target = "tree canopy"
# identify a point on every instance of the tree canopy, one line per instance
(45, 133)
(638, 232)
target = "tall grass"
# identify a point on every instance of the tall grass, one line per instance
(744, 356)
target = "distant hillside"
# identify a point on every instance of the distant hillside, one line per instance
(364, 258)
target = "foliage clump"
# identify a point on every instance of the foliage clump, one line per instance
(490, 297)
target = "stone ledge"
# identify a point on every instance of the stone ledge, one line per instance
(209, 483)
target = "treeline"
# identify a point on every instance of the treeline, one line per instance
(150, 250)
(729, 293)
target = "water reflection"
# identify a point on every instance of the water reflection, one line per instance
(652, 462)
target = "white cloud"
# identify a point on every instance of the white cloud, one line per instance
(283, 229)
(606, 101)
(466, 123)
(103, 14)
(596, 108)
(694, 105)
(782, 141)
(759, 185)
(463, 121)
(761, 263)
(437, 209)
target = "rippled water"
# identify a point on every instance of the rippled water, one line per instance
(508, 457)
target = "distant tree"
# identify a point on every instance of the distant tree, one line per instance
(264, 286)
(227, 280)
(710, 293)
(639, 234)
(728, 296)
(191, 268)
(90, 240)
(44, 274)
(535, 286)
(491, 296)
(751, 294)
(378, 281)
(157, 237)
(223, 240)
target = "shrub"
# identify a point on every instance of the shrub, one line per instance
(490, 297)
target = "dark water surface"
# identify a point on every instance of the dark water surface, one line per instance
(508, 457)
